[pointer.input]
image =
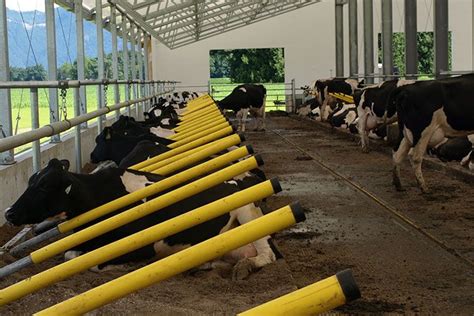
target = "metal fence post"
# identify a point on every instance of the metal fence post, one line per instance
(52, 64)
(126, 61)
(81, 57)
(133, 64)
(100, 62)
(115, 70)
(35, 125)
(293, 95)
(6, 158)
(77, 139)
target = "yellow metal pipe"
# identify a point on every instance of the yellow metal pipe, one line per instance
(144, 209)
(221, 127)
(179, 136)
(199, 100)
(313, 299)
(155, 188)
(138, 240)
(205, 120)
(190, 110)
(197, 114)
(231, 140)
(194, 113)
(170, 153)
(179, 262)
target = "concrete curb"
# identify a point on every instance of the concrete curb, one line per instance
(449, 169)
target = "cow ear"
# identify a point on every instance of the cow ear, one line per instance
(65, 164)
(107, 133)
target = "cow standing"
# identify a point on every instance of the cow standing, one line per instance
(425, 108)
(245, 98)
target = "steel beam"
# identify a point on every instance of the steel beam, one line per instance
(368, 40)
(387, 38)
(339, 38)
(6, 126)
(81, 58)
(353, 40)
(411, 50)
(140, 87)
(441, 36)
(34, 107)
(52, 64)
(125, 59)
(133, 64)
(100, 61)
(115, 70)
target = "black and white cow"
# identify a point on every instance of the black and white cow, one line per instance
(336, 85)
(455, 148)
(343, 116)
(245, 98)
(55, 190)
(143, 150)
(425, 108)
(310, 108)
(372, 108)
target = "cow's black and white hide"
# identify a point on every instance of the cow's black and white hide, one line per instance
(144, 150)
(371, 108)
(115, 146)
(450, 149)
(55, 190)
(246, 98)
(310, 108)
(336, 85)
(427, 108)
(343, 116)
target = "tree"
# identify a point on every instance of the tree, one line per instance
(249, 65)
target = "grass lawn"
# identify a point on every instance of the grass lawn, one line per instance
(221, 87)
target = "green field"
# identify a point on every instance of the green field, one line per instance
(221, 87)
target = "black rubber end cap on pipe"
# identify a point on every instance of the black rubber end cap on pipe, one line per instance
(234, 129)
(298, 212)
(242, 137)
(259, 160)
(348, 284)
(250, 149)
(276, 185)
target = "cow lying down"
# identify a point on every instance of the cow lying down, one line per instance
(55, 190)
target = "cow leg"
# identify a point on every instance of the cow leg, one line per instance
(261, 116)
(362, 128)
(417, 158)
(242, 119)
(398, 157)
(265, 254)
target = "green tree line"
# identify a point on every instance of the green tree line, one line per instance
(68, 71)
(248, 65)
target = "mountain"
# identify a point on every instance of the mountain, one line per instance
(65, 37)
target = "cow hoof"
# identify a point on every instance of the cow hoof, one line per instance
(242, 269)
(365, 150)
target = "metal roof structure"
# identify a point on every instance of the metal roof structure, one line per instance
(177, 23)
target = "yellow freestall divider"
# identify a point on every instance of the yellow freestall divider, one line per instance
(313, 299)
(181, 149)
(204, 120)
(140, 239)
(179, 262)
(182, 135)
(197, 114)
(190, 110)
(194, 113)
(196, 118)
(224, 127)
(155, 188)
(199, 100)
(142, 210)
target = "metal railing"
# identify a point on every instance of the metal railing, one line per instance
(148, 90)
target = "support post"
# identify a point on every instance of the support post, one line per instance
(81, 59)
(141, 105)
(52, 64)
(293, 96)
(34, 125)
(6, 126)
(411, 50)
(115, 70)
(369, 40)
(100, 62)
(339, 38)
(353, 40)
(387, 35)
(126, 60)
(441, 37)
(77, 138)
(133, 64)
(146, 74)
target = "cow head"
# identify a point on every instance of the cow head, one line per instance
(47, 195)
